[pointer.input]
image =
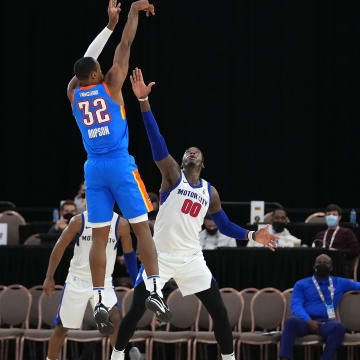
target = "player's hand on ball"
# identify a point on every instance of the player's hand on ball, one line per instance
(264, 237)
(49, 286)
(140, 90)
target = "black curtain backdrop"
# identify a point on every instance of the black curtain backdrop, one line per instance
(267, 89)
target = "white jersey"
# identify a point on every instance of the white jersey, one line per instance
(181, 215)
(79, 264)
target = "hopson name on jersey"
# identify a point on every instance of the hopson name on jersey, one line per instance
(101, 131)
(89, 238)
(89, 93)
(193, 195)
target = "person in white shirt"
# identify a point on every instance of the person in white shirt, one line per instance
(77, 290)
(211, 238)
(278, 227)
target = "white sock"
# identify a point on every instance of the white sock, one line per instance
(117, 354)
(98, 294)
(153, 284)
(228, 356)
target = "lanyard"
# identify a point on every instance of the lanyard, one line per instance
(332, 238)
(331, 288)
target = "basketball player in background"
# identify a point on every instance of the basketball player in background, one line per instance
(78, 286)
(185, 199)
(110, 172)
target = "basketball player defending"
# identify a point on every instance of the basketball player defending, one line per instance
(185, 198)
(110, 172)
(77, 290)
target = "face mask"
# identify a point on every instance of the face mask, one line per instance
(322, 270)
(211, 231)
(68, 216)
(331, 220)
(278, 226)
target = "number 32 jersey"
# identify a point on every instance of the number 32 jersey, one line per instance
(101, 120)
(181, 216)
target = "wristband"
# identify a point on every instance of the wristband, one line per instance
(144, 99)
(251, 235)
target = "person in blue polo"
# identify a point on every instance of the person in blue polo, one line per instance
(313, 304)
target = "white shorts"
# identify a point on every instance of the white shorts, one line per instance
(76, 294)
(189, 270)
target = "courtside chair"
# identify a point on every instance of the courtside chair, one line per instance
(48, 307)
(234, 304)
(143, 331)
(185, 313)
(2, 343)
(308, 341)
(267, 309)
(317, 217)
(356, 267)
(247, 295)
(13, 219)
(35, 292)
(121, 291)
(15, 304)
(88, 333)
(349, 314)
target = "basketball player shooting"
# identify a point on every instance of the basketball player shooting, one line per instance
(185, 199)
(110, 172)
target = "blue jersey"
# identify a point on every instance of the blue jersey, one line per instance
(101, 120)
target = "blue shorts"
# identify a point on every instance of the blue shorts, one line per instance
(114, 179)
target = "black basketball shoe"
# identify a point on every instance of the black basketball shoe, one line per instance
(158, 306)
(102, 319)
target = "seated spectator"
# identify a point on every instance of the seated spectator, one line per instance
(67, 211)
(79, 199)
(338, 238)
(313, 304)
(155, 201)
(279, 220)
(211, 238)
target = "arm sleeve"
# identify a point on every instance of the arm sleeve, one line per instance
(348, 285)
(131, 265)
(97, 46)
(227, 227)
(297, 303)
(157, 142)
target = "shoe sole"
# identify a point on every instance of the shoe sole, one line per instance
(161, 316)
(103, 323)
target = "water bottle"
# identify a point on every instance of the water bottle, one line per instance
(353, 216)
(55, 215)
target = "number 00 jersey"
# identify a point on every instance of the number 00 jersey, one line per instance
(79, 264)
(101, 120)
(181, 215)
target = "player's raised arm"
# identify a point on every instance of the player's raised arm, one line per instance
(57, 253)
(115, 77)
(169, 168)
(96, 47)
(230, 229)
